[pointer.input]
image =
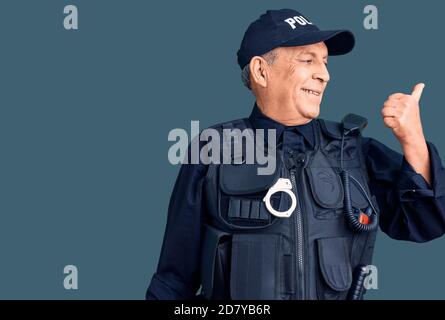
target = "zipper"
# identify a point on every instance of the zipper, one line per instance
(299, 247)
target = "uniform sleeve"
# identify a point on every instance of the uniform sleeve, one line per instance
(177, 275)
(409, 208)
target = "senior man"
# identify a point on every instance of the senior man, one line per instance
(226, 231)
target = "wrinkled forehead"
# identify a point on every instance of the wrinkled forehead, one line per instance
(319, 50)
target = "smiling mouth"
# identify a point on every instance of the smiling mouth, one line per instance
(314, 92)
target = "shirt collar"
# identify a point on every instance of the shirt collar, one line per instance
(261, 121)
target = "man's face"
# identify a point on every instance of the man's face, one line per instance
(298, 78)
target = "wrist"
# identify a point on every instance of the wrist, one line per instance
(413, 142)
(415, 151)
(415, 145)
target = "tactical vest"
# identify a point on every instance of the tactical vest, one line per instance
(248, 253)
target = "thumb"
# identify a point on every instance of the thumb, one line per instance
(417, 91)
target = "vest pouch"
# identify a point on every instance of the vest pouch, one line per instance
(241, 196)
(327, 191)
(255, 266)
(215, 263)
(334, 276)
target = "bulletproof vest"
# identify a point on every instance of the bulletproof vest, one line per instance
(248, 253)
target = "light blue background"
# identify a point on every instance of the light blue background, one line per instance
(84, 118)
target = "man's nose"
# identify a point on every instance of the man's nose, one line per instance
(322, 74)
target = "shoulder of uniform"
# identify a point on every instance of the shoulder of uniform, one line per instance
(350, 121)
(331, 128)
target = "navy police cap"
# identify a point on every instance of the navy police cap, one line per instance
(288, 28)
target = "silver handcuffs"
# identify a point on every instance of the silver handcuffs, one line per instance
(282, 185)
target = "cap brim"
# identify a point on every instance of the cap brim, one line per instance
(338, 41)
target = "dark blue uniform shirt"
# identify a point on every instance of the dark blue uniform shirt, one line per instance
(410, 208)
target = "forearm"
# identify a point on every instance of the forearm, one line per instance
(417, 155)
(409, 208)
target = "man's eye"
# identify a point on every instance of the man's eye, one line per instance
(307, 61)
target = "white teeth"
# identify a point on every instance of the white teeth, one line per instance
(312, 92)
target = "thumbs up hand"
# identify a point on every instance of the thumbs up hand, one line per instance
(401, 113)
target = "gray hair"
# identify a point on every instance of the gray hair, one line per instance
(245, 73)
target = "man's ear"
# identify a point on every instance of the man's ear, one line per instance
(259, 71)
